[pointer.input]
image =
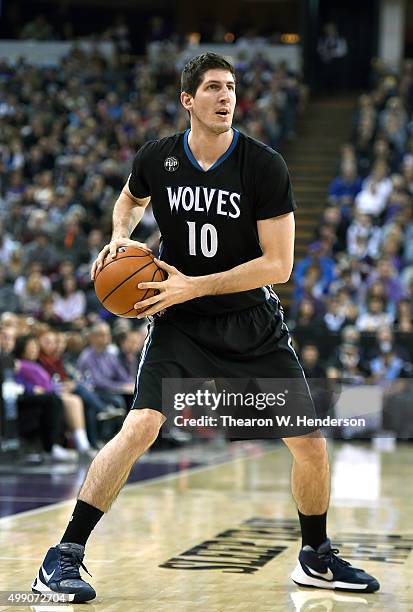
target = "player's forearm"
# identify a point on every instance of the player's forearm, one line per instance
(250, 275)
(126, 216)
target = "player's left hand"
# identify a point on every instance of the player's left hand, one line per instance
(177, 288)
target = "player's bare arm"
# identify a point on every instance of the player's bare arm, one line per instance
(127, 213)
(276, 237)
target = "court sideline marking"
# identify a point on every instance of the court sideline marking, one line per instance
(148, 482)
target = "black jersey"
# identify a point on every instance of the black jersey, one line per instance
(208, 219)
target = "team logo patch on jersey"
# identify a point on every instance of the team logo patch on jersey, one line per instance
(171, 164)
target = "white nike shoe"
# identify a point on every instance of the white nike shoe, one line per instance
(323, 569)
(59, 574)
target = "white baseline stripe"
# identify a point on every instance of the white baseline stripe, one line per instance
(20, 558)
(142, 483)
(28, 499)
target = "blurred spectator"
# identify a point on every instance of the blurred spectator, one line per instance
(398, 197)
(350, 335)
(403, 321)
(337, 222)
(32, 268)
(363, 238)
(158, 29)
(120, 35)
(375, 190)
(40, 408)
(345, 187)
(38, 381)
(47, 314)
(7, 245)
(385, 343)
(40, 250)
(37, 29)
(75, 343)
(386, 274)
(334, 318)
(307, 325)
(349, 282)
(15, 266)
(388, 366)
(314, 274)
(332, 49)
(352, 314)
(7, 344)
(310, 360)
(11, 320)
(8, 299)
(103, 369)
(393, 123)
(65, 270)
(69, 301)
(347, 366)
(73, 241)
(382, 151)
(95, 243)
(32, 294)
(52, 346)
(130, 345)
(375, 316)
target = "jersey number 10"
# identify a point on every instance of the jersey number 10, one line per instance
(209, 239)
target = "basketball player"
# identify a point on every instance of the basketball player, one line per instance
(224, 205)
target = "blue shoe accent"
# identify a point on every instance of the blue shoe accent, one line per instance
(59, 573)
(322, 568)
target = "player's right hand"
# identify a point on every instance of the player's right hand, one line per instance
(111, 249)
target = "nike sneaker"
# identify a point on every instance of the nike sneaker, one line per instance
(323, 569)
(59, 573)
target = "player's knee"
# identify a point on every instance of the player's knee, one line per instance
(313, 449)
(144, 423)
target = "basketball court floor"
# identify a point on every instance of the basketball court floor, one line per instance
(224, 536)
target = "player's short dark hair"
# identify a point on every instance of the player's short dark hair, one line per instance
(195, 69)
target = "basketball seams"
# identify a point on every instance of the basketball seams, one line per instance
(119, 258)
(126, 279)
(162, 274)
(120, 292)
(151, 281)
(123, 314)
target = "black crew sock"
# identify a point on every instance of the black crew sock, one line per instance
(313, 529)
(84, 519)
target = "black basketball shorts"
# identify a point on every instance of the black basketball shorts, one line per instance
(253, 343)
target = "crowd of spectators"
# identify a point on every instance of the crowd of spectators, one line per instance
(68, 136)
(75, 387)
(128, 36)
(354, 290)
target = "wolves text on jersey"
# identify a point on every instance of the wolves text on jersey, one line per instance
(202, 199)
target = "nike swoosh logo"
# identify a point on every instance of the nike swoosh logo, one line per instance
(328, 575)
(46, 575)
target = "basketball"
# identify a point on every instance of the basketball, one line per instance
(116, 285)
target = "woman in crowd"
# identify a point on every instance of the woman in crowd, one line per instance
(52, 346)
(69, 301)
(38, 381)
(40, 408)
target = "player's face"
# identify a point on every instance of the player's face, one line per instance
(214, 101)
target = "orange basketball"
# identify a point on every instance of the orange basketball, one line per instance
(116, 284)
